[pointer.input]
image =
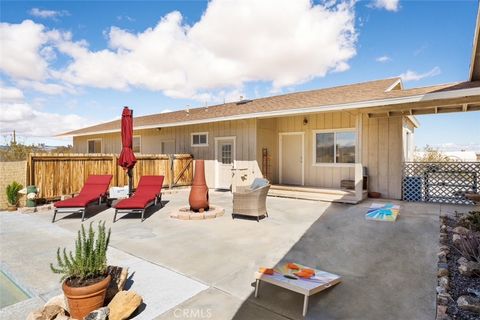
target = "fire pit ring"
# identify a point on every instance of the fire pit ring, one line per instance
(184, 213)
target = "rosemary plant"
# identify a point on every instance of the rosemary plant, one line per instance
(89, 260)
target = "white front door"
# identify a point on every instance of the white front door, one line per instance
(291, 158)
(225, 160)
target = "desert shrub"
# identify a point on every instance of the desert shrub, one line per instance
(469, 246)
(12, 192)
(90, 258)
(471, 220)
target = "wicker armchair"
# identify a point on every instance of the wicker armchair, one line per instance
(251, 200)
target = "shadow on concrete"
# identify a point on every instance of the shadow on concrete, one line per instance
(90, 212)
(387, 269)
(148, 213)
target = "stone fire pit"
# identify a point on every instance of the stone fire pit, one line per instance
(184, 213)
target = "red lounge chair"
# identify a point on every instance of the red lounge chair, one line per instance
(94, 189)
(148, 193)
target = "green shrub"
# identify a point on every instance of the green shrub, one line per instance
(90, 258)
(12, 192)
(471, 220)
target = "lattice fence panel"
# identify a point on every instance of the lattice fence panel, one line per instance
(440, 182)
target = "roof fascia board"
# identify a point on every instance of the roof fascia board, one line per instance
(324, 108)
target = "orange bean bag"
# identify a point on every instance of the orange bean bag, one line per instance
(268, 271)
(293, 266)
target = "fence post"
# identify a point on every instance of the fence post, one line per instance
(171, 161)
(115, 170)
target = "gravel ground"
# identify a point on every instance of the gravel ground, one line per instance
(459, 284)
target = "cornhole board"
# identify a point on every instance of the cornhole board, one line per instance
(383, 212)
(321, 281)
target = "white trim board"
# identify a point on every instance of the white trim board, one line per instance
(280, 135)
(461, 93)
(198, 134)
(333, 164)
(95, 139)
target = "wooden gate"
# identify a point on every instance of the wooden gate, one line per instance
(62, 174)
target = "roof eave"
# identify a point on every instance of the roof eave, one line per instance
(451, 94)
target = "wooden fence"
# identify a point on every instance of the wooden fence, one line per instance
(61, 174)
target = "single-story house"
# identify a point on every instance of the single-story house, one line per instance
(309, 141)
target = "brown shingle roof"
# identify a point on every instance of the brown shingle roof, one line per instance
(359, 92)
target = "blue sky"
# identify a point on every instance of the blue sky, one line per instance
(67, 64)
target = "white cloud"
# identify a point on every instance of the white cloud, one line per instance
(11, 94)
(20, 56)
(389, 5)
(46, 87)
(383, 59)
(45, 14)
(19, 115)
(411, 75)
(282, 42)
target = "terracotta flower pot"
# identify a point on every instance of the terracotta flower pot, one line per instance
(83, 300)
(198, 198)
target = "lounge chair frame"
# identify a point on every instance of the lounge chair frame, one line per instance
(158, 200)
(77, 209)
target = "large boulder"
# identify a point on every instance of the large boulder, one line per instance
(119, 277)
(46, 313)
(123, 305)
(58, 301)
(469, 303)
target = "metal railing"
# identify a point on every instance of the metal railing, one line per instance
(440, 182)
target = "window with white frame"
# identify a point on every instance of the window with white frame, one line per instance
(200, 139)
(94, 146)
(334, 146)
(137, 144)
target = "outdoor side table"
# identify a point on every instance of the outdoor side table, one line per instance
(321, 281)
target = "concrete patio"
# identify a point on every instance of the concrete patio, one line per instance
(205, 268)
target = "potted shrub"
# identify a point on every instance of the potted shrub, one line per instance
(12, 195)
(85, 277)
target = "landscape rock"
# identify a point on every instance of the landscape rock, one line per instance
(441, 290)
(469, 303)
(46, 313)
(442, 313)
(443, 298)
(456, 239)
(123, 305)
(119, 277)
(58, 301)
(468, 268)
(442, 272)
(443, 282)
(442, 256)
(461, 231)
(99, 314)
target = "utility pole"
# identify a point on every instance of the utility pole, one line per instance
(14, 137)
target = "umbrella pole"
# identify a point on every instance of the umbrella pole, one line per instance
(130, 182)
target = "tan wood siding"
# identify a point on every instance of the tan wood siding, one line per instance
(151, 139)
(315, 176)
(382, 154)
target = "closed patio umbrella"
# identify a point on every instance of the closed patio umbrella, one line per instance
(127, 159)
